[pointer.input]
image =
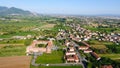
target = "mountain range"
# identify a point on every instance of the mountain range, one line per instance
(14, 11)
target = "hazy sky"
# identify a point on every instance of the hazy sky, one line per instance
(66, 6)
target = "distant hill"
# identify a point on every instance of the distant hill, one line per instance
(13, 11)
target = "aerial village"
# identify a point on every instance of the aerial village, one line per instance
(60, 34)
(71, 42)
(72, 49)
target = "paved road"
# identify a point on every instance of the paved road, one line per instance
(65, 64)
(33, 61)
(79, 55)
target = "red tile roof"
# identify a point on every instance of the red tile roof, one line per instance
(76, 57)
(49, 44)
(107, 66)
(85, 44)
(95, 55)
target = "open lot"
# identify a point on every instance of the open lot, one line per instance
(15, 62)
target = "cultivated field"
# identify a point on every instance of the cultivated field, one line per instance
(12, 51)
(47, 26)
(15, 62)
(99, 46)
(112, 56)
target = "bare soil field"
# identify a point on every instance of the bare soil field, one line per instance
(15, 62)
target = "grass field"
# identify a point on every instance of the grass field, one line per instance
(99, 46)
(12, 51)
(3, 45)
(92, 42)
(22, 33)
(47, 26)
(56, 67)
(112, 56)
(54, 57)
(11, 41)
(108, 30)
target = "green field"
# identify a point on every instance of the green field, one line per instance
(108, 30)
(99, 46)
(92, 42)
(12, 41)
(54, 57)
(12, 51)
(112, 56)
(56, 67)
(24, 27)
(15, 42)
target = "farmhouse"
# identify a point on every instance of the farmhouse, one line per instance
(72, 58)
(32, 48)
(106, 66)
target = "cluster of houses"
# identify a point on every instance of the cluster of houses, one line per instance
(113, 37)
(34, 49)
(70, 54)
(81, 34)
(85, 48)
(85, 35)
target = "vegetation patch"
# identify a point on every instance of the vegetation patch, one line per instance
(57, 67)
(12, 41)
(47, 26)
(92, 42)
(12, 51)
(41, 45)
(112, 56)
(54, 57)
(99, 46)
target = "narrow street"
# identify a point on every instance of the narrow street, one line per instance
(79, 55)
